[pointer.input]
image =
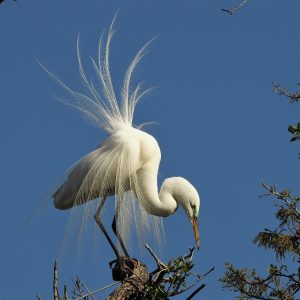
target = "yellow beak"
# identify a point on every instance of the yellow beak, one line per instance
(196, 231)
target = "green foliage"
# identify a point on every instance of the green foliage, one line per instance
(293, 97)
(171, 279)
(280, 282)
(285, 238)
(284, 241)
(295, 130)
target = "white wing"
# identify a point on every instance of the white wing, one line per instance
(109, 171)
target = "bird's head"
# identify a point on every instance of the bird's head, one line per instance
(187, 196)
(191, 208)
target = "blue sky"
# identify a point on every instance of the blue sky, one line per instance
(218, 124)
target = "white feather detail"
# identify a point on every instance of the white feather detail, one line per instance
(111, 169)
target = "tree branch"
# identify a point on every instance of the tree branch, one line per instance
(293, 97)
(55, 282)
(231, 11)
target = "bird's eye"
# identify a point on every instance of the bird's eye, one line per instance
(194, 209)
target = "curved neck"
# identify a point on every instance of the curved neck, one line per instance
(162, 204)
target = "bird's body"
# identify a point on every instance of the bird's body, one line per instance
(126, 164)
(133, 147)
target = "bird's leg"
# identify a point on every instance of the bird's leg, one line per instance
(99, 222)
(114, 228)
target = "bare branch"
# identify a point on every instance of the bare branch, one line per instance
(231, 11)
(285, 196)
(200, 277)
(97, 291)
(293, 97)
(160, 265)
(191, 254)
(55, 282)
(194, 293)
(1, 1)
(91, 294)
(65, 297)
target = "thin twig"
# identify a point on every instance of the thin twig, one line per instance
(65, 293)
(55, 281)
(272, 190)
(157, 260)
(97, 291)
(176, 293)
(293, 97)
(231, 11)
(85, 286)
(195, 292)
(77, 287)
(200, 277)
(190, 255)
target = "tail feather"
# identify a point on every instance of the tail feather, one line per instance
(103, 108)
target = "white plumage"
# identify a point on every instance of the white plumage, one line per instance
(127, 162)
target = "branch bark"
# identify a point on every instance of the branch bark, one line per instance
(134, 276)
(55, 282)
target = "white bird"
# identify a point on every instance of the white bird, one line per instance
(126, 164)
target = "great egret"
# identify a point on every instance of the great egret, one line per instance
(126, 164)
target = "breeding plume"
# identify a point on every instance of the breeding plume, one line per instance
(126, 164)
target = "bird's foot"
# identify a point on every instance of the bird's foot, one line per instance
(122, 267)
